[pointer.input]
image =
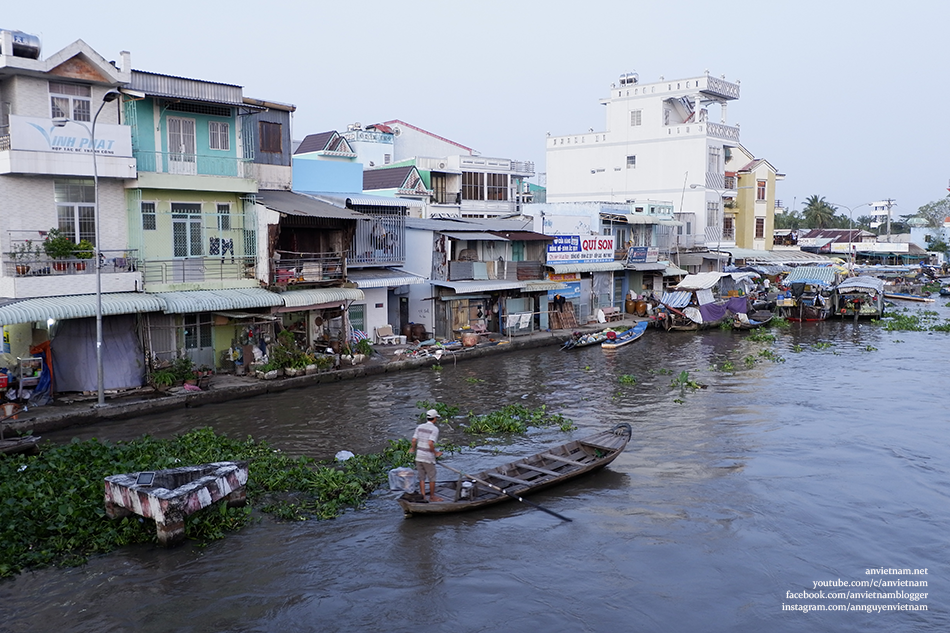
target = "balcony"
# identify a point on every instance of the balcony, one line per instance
(201, 172)
(381, 242)
(39, 275)
(308, 268)
(495, 270)
(198, 272)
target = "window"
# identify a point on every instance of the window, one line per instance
(631, 162)
(387, 158)
(358, 316)
(75, 209)
(497, 186)
(186, 230)
(149, 222)
(473, 186)
(70, 100)
(218, 135)
(712, 213)
(197, 330)
(714, 163)
(270, 137)
(224, 217)
(728, 228)
(636, 116)
(760, 190)
(760, 228)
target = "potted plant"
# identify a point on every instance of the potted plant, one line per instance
(58, 246)
(83, 251)
(24, 253)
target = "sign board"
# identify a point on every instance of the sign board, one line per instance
(40, 135)
(573, 291)
(579, 249)
(642, 254)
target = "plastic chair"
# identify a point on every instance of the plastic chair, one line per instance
(385, 336)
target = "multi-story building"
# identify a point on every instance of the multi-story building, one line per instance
(661, 142)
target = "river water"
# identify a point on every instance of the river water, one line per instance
(774, 476)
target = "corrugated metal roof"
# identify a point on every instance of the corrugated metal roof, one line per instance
(479, 286)
(524, 236)
(293, 203)
(383, 278)
(586, 267)
(217, 300)
(348, 199)
(676, 299)
(157, 85)
(861, 284)
(646, 266)
(78, 307)
(673, 270)
(777, 256)
(473, 235)
(319, 296)
(822, 275)
(699, 282)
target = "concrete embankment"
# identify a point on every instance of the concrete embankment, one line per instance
(65, 413)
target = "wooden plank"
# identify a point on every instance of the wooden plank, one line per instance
(603, 447)
(538, 469)
(558, 458)
(507, 478)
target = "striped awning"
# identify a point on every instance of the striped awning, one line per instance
(479, 286)
(77, 307)
(314, 297)
(217, 300)
(585, 267)
(383, 278)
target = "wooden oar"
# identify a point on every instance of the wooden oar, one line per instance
(510, 494)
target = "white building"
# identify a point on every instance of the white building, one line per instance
(667, 140)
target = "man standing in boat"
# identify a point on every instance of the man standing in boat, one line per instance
(423, 444)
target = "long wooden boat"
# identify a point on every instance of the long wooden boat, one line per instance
(584, 340)
(523, 476)
(903, 296)
(751, 321)
(23, 444)
(626, 337)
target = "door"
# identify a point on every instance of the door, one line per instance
(186, 243)
(181, 146)
(198, 343)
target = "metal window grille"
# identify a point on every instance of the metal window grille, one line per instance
(149, 222)
(219, 135)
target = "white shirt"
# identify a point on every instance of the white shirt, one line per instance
(425, 432)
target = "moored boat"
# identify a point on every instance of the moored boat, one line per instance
(579, 339)
(521, 477)
(860, 297)
(809, 298)
(626, 337)
(752, 320)
(691, 305)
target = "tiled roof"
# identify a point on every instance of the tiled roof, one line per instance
(315, 142)
(386, 178)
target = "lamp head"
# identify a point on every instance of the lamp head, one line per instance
(60, 121)
(112, 95)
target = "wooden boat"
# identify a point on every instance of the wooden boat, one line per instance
(583, 340)
(626, 337)
(24, 444)
(903, 296)
(861, 296)
(523, 476)
(751, 321)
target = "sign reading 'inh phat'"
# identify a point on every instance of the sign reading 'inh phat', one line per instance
(579, 249)
(40, 135)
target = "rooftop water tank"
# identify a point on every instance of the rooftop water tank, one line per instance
(24, 44)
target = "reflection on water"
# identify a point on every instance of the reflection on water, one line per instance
(771, 477)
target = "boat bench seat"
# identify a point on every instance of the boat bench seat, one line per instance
(558, 458)
(513, 480)
(544, 471)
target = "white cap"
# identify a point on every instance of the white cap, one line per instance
(432, 414)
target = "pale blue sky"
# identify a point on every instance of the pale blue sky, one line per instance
(846, 97)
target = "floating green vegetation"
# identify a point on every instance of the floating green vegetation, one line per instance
(772, 356)
(870, 348)
(437, 367)
(761, 336)
(683, 382)
(52, 510)
(445, 410)
(749, 361)
(780, 322)
(921, 321)
(516, 418)
(728, 366)
(797, 348)
(627, 379)
(586, 367)
(726, 324)
(947, 305)
(823, 345)
(678, 400)
(474, 381)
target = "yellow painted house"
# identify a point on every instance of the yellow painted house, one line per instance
(750, 215)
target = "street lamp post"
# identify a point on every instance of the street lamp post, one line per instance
(851, 230)
(719, 221)
(112, 95)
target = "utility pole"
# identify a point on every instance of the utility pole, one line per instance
(890, 203)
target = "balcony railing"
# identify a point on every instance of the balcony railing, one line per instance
(308, 268)
(192, 164)
(197, 269)
(379, 242)
(14, 264)
(495, 270)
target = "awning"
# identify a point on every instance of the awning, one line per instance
(349, 199)
(473, 235)
(673, 271)
(671, 223)
(317, 297)
(544, 286)
(78, 307)
(586, 267)
(699, 282)
(645, 266)
(292, 203)
(469, 287)
(217, 300)
(247, 315)
(776, 256)
(383, 278)
(818, 275)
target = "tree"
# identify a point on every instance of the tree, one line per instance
(818, 213)
(788, 220)
(935, 213)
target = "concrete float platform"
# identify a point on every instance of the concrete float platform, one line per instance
(168, 496)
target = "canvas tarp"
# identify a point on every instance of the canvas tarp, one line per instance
(74, 354)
